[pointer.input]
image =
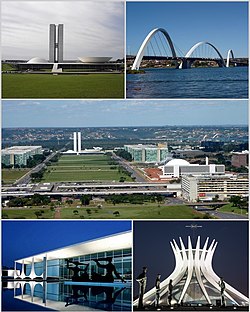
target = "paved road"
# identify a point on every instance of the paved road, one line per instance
(26, 179)
(126, 165)
(226, 215)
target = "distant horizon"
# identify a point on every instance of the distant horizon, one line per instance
(122, 113)
(153, 126)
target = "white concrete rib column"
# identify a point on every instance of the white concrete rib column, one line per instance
(197, 266)
(75, 142)
(190, 266)
(23, 275)
(79, 147)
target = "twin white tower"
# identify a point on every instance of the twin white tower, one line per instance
(56, 43)
(77, 142)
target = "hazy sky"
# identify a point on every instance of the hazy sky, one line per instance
(111, 113)
(91, 28)
(224, 24)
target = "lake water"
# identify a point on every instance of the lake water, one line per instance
(35, 296)
(217, 82)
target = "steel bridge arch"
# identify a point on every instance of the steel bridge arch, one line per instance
(228, 57)
(194, 47)
(140, 53)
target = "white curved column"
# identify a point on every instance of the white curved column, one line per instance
(23, 275)
(190, 265)
(197, 266)
(229, 290)
(194, 47)
(195, 262)
(33, 274)
(140, 53)
(228, 57)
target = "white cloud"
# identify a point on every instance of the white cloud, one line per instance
(91, 28)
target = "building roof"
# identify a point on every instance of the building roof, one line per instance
(113, 242)
(19, 149)
(94, 59)
(178, 162)
(37, 60)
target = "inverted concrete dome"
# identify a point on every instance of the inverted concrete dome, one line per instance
(95, 59)
(179, 162)
(37, 60)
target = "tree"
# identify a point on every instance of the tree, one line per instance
(235, 200)
(122, 179)
(85, 199)
(38, 214)
(215, 198)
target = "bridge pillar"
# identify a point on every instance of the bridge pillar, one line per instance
(185, 64)
(220, 63)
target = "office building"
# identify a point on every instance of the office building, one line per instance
(55, 43)
(53, 263)
(18, 155)
(77, 144)
(148, 153)
(73, 277)
(240, 159)
(176, 168)
(57, 64)
(206, 188)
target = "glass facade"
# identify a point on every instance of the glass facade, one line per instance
(60, 275)
(121, 259)
(58, 268)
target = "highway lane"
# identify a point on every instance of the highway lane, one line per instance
(26, 179)
(89, 192)
(127, 166)
(226, 215)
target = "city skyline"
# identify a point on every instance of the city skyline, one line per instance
(88, 31)
(205, 21)
(120, 113)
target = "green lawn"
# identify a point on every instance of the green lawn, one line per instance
(126, 211)
(62, 86)
(83, 168)
(230, 208)
(9, 67)
(11, 175)
(27, 213)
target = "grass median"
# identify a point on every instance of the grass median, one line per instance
(63, 86)
(11, 175)
(108, 211)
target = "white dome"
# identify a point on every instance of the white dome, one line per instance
(37, 60)
(179, 162)
(94, 59)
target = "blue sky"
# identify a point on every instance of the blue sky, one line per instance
(223, 24)
(25, 238)
(106, 113)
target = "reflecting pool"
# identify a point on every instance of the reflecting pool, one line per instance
(65, 296)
